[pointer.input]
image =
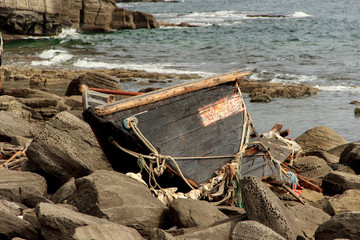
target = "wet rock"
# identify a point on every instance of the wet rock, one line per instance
(312, 167)
(351, 156)
(106, 231)
(92, 80)
(12, 226)
(14, 185)
(357, 111)
(114, 196)
(338, 182)
(62, 151)
(261, 98)
(58, 222)
(263, 206)
(345, 226)
(128, 19)
(308, 218)
(274, 90)
(346, 202)
(194, 213)
(252, 230)
(320, 139)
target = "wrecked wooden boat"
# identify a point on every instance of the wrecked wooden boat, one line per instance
(196, 138)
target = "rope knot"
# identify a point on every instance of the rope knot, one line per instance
(129, 122)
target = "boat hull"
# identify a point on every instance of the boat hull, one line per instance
(207, 126)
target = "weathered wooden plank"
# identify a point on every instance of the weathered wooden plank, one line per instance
(165, 93)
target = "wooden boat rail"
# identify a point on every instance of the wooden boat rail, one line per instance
(103, 110)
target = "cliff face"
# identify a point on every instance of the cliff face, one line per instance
(48, 17)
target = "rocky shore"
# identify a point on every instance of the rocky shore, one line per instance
(57, 184)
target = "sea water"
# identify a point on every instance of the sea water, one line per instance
(312, 42)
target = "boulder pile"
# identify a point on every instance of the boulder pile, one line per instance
(62, 186)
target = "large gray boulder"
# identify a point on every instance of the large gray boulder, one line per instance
(12, 226)
(351, 156)
(59, 222)
(13, 125)
(12, 105)
(263, 206)
(17, 186)
(118, 198)
(328, 157)
(92, 80)
(13, 208)
(106, 232)
(64, 192)
(65, 148)
(40, 105)
(320, 139)
(340, 226)
(338, 182)
(312, 167)
(346, 202)
(308, 218)
(220, 230)
(187, 213)
(252, 230)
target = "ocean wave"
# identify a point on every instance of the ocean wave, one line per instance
(158, 68)
(293, 78)
(69, 33)
(353, 89)
(52, 57)
(221, 17)
(205, 18)
(283, 77)
(299, 14)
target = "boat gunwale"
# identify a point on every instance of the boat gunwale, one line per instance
(164, 93)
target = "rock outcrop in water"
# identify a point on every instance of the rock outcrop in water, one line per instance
(48, 17)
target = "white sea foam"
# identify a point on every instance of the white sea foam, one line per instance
(218, 17)
(299, 14)
(52, 57)
(69, 33)
(159, 68)
(293, 78)
(205, 18)
(353, 89)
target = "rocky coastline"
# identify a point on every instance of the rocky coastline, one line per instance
(22, 19)
(57, 184)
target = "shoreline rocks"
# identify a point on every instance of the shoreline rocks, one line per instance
(59, 81)
(66, 189)
(49, 17)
